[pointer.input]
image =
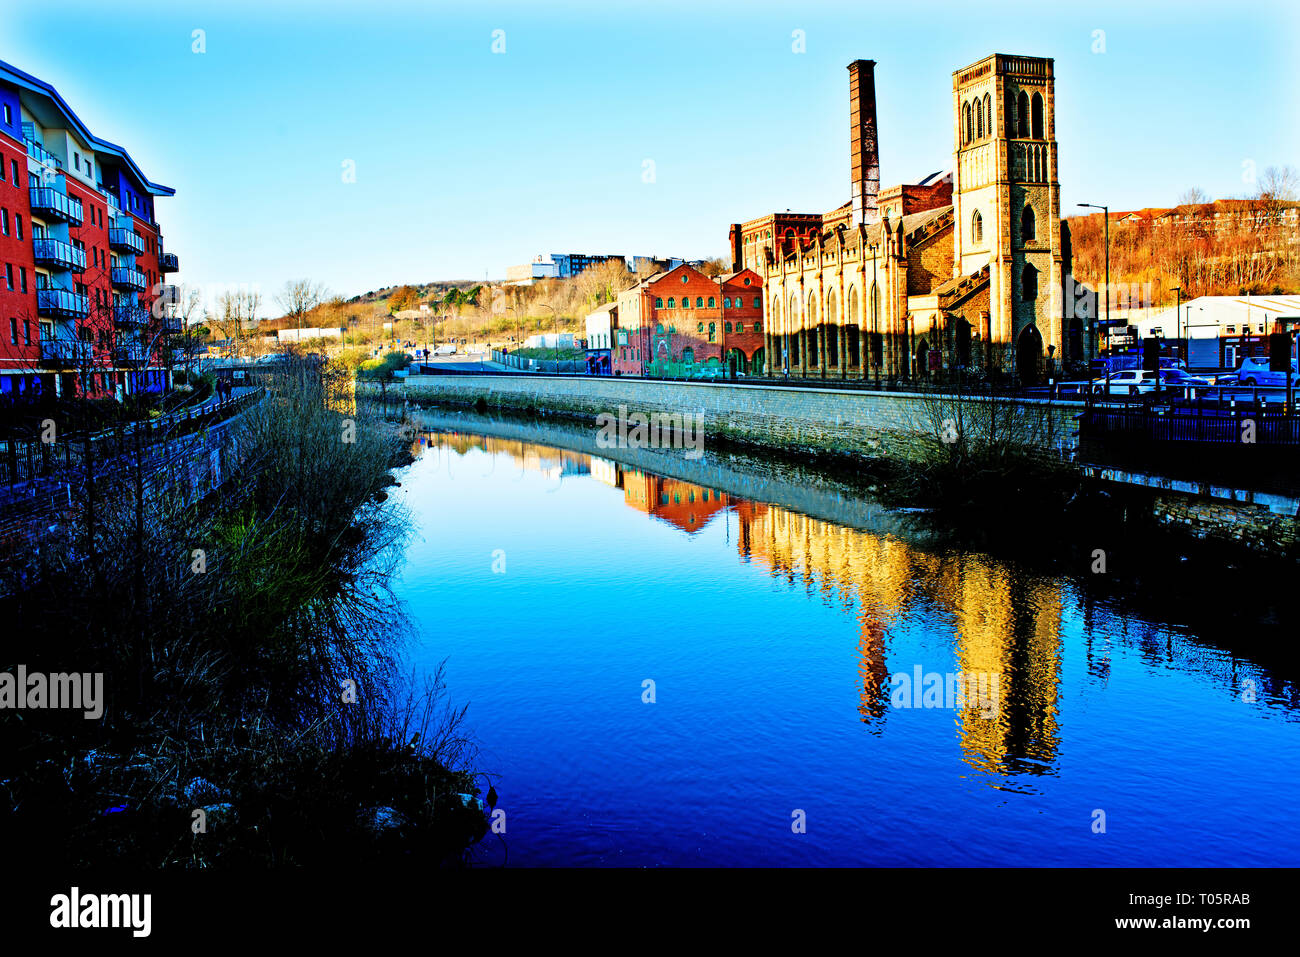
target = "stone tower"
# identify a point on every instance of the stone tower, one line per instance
(1007, 203)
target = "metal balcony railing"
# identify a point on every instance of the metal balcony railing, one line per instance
(49, 203)
(66, 352)
(125, 240)
(56, 254)
(39, 153)
(168, 262)
(169, 294)
(130, 315)
(62, 303)
(130, 353)
(127, 278)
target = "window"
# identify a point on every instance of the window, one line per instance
(686, 302)
(9, 276)
(18, 226)
(22, 278)
(979, 118)
(685, 279)
(726, 302)
(969, 126)
(659, 302)
(699, 302)
(699, 327)
(13, 165)
(4, 221)
(977, 227)
(1029, 284)
(1022, 109)
(672, 304)
(988, 113)
(758, 327)
(1036, 112)
(758, 302)
(27, 332)
(712, 302)
(728, 327)
(9, 116)
(747, 280)
(1027, 224)
(13, 332)
(713, 331)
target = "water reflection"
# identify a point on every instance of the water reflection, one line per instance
(1003, 623)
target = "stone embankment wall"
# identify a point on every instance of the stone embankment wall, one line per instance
(793, 419)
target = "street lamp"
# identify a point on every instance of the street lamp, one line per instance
(556, 326)
(1106, 211)
(1178, 316)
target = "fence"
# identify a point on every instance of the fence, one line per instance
(1241, 424)
(552, 366)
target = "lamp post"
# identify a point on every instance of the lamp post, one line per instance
(556, 326)
(1106, 211)
(1178, 316)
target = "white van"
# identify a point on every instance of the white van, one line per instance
(447, 350)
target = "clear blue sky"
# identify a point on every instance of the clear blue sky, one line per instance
(467, 161)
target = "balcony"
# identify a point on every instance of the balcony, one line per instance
(168, 262)
(43, 156)
(124, 277)
(56, 254)
(169, 294)
(62, 353)
(62, 304)
(125, 240)
(133, 352)
(49, 203)
(130, 316)
(172, 324)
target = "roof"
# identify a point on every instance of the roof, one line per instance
(11, 74)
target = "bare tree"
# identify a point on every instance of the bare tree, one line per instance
(298, 298)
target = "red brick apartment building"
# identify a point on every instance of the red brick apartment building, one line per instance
(83, 308)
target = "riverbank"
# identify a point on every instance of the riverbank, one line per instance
(254, 710)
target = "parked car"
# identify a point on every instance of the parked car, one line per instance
(447, 350)
(709, 372)
(1128, 382)
(1255, 371)
(1181, 381)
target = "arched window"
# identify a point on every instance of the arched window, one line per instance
(712, 302)
(699, 302)
(988, 112)
(688, 356)
(1037, 113)
(686, 302)
(659, 328)
(713, 330)
(699, 327)
(1029, 283)
(966, 117)
(1027, 224)
(672, 303)
(728, 327)
(726, 302)
(1022, 108)
(979, 118)
(977, 227)
(659, 302)
(758, 327)
(758, 302)
(740, 327)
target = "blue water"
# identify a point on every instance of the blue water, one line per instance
(771, 636)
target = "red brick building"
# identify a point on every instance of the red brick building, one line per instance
(80, 252)
(682, 322)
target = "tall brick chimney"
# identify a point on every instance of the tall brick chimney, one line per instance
(864, 155)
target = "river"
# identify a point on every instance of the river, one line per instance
(725, 661)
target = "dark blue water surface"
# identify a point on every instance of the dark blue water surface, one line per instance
(771, 609)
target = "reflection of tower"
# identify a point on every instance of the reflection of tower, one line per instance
(1008, 627)
(872, 669)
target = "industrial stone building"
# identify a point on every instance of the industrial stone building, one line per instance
(963, 271)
